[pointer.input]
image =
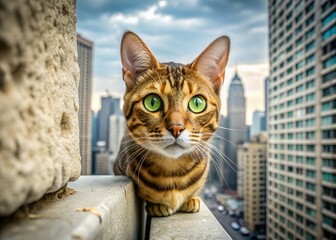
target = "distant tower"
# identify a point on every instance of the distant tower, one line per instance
(109, 106)
(237, 133)
(84, 51)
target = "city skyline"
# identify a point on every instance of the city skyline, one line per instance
(104, 22)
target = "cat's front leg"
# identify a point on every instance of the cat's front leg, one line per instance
(192, 205)
(158, 210)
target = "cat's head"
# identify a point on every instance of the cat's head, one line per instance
(172, 109)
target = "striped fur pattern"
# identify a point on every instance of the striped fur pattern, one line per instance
(165, 152)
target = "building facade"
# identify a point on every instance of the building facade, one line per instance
(84, 54)
(302, 120)
(235, 133)
(253, 160)
(241, 161)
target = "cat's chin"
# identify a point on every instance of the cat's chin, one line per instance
(173, 151)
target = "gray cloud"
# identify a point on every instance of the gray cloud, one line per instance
(176, 30)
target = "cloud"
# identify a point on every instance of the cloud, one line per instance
(177, 31)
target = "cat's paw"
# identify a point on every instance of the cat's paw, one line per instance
(191, 206)
(158, 210)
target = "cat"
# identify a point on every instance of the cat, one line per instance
(171, 111)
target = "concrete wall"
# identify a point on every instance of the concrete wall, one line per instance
(39, 146)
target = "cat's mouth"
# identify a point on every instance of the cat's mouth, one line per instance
(174, 146)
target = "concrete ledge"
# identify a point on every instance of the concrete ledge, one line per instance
(115, 213)
(201, 225)
(106, 207)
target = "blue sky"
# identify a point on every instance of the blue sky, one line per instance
(178, 30)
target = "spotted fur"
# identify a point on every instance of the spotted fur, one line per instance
(165, 152)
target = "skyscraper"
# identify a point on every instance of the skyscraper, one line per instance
(258, 122)
(302, 120)
(266, 91)
(252, 181)
(84, 51)
(109, 106)
(236, 133)
(216, 163)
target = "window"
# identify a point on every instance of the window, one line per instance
(310, 161)
(310, 84)
(310, 33)
(299, 100)
(310, 20)
(299, 147)
(329, 177)
(298, 42)
(329, 32)
(299, 77)
(310, 7)
(298, 54)
(329, 47)
(310, 109)
(310, 135)
(310, 46)
(310, 173)
(299, 124)
(328, 120)
(329, 134)
(310, 72)
(326, 106)
(310, 186)
(299, 183)
(329, 62)
(311, 212)
(299, 88)
(310, 97)
(310, 122)
(329, 148)
(329, 91)
(329, 221)
(329, 18)
(329, 76)
(310, 59)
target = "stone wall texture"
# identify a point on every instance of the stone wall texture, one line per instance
(39, 76)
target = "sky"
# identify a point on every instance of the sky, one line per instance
(178, 31)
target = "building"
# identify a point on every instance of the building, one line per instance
(266, 90)
(302, 120)
(218, 141)
(258, 123)
(102, 163)
(84, 53)
(109, 106)
(252, 181)
(117, 130)
(235, 133)
(241, 161)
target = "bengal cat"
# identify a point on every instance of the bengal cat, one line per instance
(171, 110)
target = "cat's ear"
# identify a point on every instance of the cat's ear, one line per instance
(211, 63)
(136, 58)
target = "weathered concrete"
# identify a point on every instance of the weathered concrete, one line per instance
(39, 145)
(201, 225)
(115, 213)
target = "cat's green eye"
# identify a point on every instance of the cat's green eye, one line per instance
(197, 104)
(152, 103)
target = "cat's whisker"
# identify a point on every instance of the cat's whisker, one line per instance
(216, 136)
(224, 157)
(232, 129)
(216, 164)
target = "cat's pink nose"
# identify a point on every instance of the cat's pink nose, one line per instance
(176, 129)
